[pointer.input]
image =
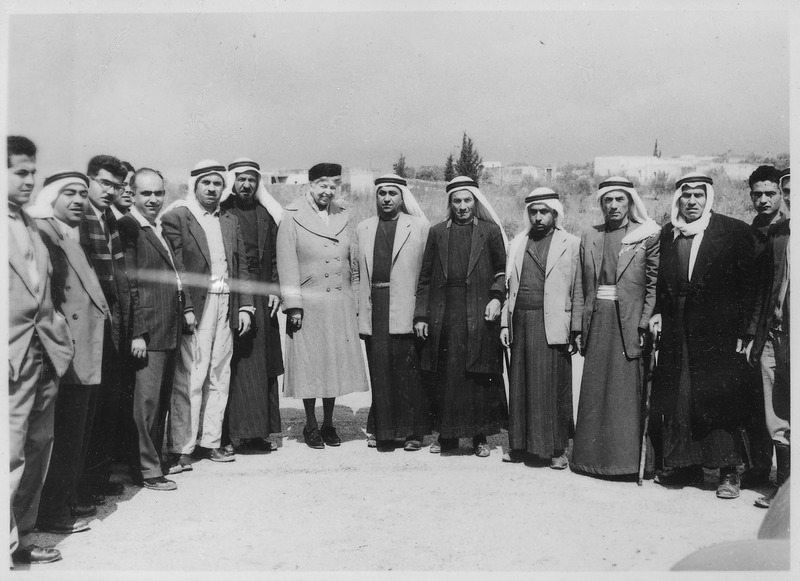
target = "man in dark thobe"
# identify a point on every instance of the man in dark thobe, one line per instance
(459, 297)
(253, 411)
(702, 384)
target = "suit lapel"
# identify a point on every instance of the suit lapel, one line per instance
(711, 245)
(226, 225)
(597, 251)
(197, 232)
(263, 230)
(520, 257)
(401, 234)
(371, 228)
(18, 264)
(625, 258)
(80, 264)
(444, 240)
(558, 246)
(152, 238)
(478, 236)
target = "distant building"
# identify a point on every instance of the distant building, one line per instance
(647, 168)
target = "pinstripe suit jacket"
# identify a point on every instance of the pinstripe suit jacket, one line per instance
(154, 286)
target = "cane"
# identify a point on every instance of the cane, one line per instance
(648, 384)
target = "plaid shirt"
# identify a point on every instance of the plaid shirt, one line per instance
(96, 245)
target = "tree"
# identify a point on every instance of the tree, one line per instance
(400, 166)
(431, 173)
(469, 162)
(449, 168)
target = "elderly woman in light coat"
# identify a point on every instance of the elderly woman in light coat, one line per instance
(323, 350)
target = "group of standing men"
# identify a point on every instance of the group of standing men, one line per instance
(182, 305)
(119, 318)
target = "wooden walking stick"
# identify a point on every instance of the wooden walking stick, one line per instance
(648, 385)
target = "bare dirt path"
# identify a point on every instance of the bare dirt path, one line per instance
(354, 509)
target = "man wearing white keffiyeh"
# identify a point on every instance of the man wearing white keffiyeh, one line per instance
(620, 265)
(459, 296)
(390, 247)
(702, 384)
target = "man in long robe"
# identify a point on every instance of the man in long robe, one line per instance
(702, 383)
(620, 259)
(389, 259)
(540, 323)
(459, 297)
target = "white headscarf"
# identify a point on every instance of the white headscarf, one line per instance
(42, 207)
(264, 198)
(637, 213)
(541, 195)
(483, 209)
(410, 205)
(692, 180)
(202, 169)
(785, 175)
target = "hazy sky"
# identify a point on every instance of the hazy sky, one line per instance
(291, 89)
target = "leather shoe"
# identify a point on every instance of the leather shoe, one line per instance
(83, 510)
(218, 455)
(329, 436)
(66, 527)
(482, 450)
(159, 483)
(766, 500)
(112, 489)
(228, 449)
(313, 438)
(372, 442)
(514, 456)
(755, 477)
(729, 483)
(412, 444)
(684, 476)
(262, 444)
(559, 462)
(36, 555)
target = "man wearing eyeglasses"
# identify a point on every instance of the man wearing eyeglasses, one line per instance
(157, 314)
(100, 239)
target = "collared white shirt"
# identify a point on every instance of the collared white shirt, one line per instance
(209, 221)
(68, 231)
(145, 223)
(696, 240)
(20, 232)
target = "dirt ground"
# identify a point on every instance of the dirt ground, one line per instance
(355, 509)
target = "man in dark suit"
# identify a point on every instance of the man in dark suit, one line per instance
(100, 239)
(702, 383)
(210, 257)
(40, 350)
(59, 209)
(460, 293)
(769, 348)
(157, 306)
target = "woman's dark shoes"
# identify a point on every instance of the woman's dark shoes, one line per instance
(372, 442)
(64, 527)
(218, 455)
(313, 438)
(755, 477)
(36, 555)
(766, 500)
(159, 483)
(480, 447)
(729, 483)
(329, 436)
(413, 443)
(262, 444)
(448, 444)
(685, 476)
(113, 489)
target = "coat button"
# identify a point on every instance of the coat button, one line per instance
(327, 260)
(328, 289)
(338, 258)
(326, 275)
(75, 316)
(338, 288)
(325, 245)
